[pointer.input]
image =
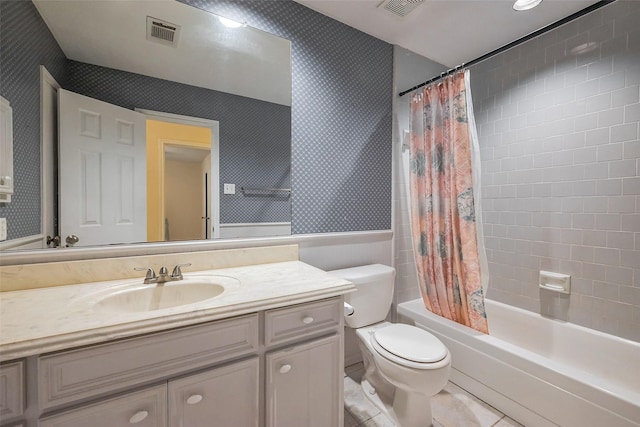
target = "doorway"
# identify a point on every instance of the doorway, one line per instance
(182, 177)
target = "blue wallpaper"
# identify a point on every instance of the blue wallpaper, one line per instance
(342, 89)
(20, 57)
(341, 115)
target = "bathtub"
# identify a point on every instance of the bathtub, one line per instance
(539, 371)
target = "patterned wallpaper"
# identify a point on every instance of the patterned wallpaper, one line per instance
(20, 57)
(254, 135)
(341, 114)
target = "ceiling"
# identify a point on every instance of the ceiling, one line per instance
(450, 32)
(243, 61)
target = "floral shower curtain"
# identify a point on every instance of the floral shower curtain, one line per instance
(443, 208)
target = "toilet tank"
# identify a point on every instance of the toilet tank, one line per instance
(373, 296)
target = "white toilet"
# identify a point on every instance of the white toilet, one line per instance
(404, 365)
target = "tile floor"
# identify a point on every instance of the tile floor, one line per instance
(452, 407)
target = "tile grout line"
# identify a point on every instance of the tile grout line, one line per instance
(502, 418)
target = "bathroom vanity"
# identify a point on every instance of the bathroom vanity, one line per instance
(267, 351)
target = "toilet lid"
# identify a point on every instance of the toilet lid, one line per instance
(410, 343)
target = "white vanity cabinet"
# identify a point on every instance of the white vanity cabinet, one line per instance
(100, 370)
(179, 375)
(229, 395)
(276, 368)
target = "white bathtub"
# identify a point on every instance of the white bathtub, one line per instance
(539, 371)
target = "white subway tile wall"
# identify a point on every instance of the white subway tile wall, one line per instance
(558, 121)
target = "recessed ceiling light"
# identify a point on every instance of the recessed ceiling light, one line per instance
(520, 5)
(230, 23)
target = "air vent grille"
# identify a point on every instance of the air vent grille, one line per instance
(162, 32)
(400, 8)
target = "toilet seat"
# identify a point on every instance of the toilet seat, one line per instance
(408, 346)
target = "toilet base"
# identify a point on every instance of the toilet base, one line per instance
(404, 409)
(412, 409)
(379, 401)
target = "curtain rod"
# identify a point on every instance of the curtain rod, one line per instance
(514, 43)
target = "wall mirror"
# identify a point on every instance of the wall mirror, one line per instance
(143, 121)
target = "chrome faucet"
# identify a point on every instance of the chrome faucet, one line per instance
(163, 275)
(176, 274)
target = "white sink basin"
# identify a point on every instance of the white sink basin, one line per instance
(158, 296)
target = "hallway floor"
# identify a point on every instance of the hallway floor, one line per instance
(452, 407)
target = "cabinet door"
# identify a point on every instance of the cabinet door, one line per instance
(147, 408)
(12, 391)
(304, 385)
(222, 397)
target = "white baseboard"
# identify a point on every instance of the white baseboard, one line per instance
(254, 229)
(35, 241)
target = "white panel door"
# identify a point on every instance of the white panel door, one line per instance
(102, 171)
(49, 141)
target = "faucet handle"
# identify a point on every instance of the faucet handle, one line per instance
(163, 271)
(177, 271)
(150, 273)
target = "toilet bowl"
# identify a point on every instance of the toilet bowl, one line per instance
(404, 365)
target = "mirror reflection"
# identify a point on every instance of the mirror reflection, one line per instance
(140, 121)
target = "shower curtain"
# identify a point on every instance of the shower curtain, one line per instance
(444, 218)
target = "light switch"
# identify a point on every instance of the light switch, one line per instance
(3, 229)
(229, 189)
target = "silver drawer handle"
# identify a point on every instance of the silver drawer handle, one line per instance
(285, 368)
(196, 398)
(307, 320)
(138, 416)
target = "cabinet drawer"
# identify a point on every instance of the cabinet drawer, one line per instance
(145, 408)
(301, 321)
(98, 370)
(12, 390)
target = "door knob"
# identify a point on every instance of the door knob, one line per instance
(72, 240)
(53, 240)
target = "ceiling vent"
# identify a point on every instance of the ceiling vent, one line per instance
(162, 32)
(400, 8)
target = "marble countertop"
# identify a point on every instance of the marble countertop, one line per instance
(37, 321)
